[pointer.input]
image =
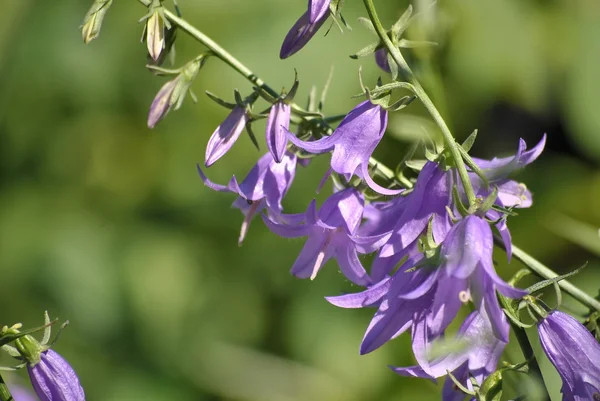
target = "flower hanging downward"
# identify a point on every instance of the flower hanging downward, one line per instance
(329, 235)
(264, 186)
(353, 143)
(53, 379)
(278, 124)
(575, 354)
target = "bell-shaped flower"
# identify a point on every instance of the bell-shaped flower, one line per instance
(329, 233)
(53, 379)
(305, 28)
(278, 125)
(353, 143)
(575, 354)
(265, 186)
(428, 201)
(225, 135)
(476, 354)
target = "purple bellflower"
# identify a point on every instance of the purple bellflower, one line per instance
(278, 124)
(477, 357)
(329, 233)
(305, 28)
(225, 135)
(53, 379)
(427, 293)
(353, 143)
(575, 354)
(265, 186)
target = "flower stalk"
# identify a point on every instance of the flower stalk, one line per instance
(425, 100)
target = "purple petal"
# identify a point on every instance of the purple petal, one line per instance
(389, 321)
(366, 298)
(514, 194)
(446, 303)
(468, 242)
(343, 209)
(324, 144)
(302, 31)
(284, 230)
(278, 125)
(317, 9)
(349, 264)
(225, 135)
(53, 379)
(373, 185)
(312, 257)
(278, 179)
(381, 58)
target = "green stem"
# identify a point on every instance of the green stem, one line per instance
(250, 76)
(425, 100)
(530, 356)
(543, 271)
(5, 394)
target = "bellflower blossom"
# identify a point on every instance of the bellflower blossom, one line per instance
(353, 143)
(575, 354)
(429, 297)
(478, 357)
(225, 135)
(381, 58)
(305, 28)
(329, 233)
(53, 379)
(278, 124)
(265, 186)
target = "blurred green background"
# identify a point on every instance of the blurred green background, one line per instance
(106, 223)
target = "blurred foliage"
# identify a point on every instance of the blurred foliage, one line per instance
(106, 223)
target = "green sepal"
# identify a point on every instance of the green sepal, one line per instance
(488, 202)
(555, 280)
(468, 143)
(8, 334)
(289, 97)
(462, 209)
(365, 51)
(415, 44)
(367, 24)
(251, 134)
(491, 388)
(400, 26)
(415, 164)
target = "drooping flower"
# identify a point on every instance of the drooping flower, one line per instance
(329, 233)
(278, 124)
(225, 135)
(353, 143)
(426, 292)
(428, 201)
(305, 28)
(575, 354)
(265, 186)
(53, 379)
(477, 355)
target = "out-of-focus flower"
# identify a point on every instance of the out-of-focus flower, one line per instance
(575, 354)
(278, 124)
(172, 93)
(264, 186)
(477, 356)
(353, 143)
(53, 379)
(305, 28)
(329, 233)
(20, 393)
(92, 22)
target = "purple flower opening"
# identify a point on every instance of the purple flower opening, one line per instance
(575, 354)
(53, 379)
(265, 186)
(353, 143)
(278, 125)
(329, 233)
(225, 135)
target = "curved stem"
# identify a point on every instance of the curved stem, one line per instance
(250, 76)
(425, 100)
(543, 271)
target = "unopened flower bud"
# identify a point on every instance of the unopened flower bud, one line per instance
(92, 22)
(172, 94)
(278, 124)
(53, 379)
(155, 30)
